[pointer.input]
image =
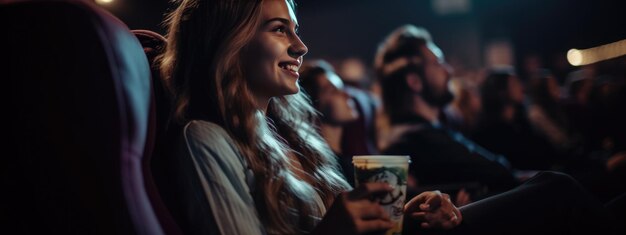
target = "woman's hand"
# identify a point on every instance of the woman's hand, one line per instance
(356, 212)
(434, 210)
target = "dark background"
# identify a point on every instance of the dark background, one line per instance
(338, 29)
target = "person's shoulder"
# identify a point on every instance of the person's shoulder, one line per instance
(203, 124)
(204, 128)
(206, 134)
(211, 141)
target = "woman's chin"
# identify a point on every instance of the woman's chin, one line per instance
(292, 90)
(286, 93)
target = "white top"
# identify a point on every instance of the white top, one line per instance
(225, 178)
(228, 182)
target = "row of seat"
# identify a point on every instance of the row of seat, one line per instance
(84, 117)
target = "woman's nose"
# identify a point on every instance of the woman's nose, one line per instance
(297, 48)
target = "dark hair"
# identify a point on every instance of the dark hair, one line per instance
(398, 55)
(539, 89)
(494, 91)
(308, 78)
(540, 96)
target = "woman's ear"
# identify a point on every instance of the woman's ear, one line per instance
(414, 82)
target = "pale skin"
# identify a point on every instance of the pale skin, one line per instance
(275, 55)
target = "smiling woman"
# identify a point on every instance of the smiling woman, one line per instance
(232, 67)
(275, 53)
(247, 158)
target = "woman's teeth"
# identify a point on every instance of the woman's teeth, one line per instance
(290, 67)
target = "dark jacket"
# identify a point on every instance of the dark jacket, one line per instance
(440, 156)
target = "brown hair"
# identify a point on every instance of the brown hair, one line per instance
(203, 70)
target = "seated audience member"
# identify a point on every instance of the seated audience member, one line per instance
(363, 136)
(257, 162)
(362, 139)
(414, 80)
(603, 169)
(503, 126)
(545, 113)
(326, 91)
(462, 112)
(261, 166)
(578, 85)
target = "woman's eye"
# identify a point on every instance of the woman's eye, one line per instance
(280, 29)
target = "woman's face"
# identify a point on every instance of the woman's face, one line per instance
(333, 102)
(273, 57)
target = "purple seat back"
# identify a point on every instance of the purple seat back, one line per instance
(78, 99)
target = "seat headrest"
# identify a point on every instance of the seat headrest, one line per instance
(79, 92)
(152, 42)
(153, 46)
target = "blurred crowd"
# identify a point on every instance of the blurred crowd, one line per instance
(571, 121)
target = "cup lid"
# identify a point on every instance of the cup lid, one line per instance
(393, 158)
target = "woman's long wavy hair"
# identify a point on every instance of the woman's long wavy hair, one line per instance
(202, 67)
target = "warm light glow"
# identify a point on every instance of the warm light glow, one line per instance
(104, 2)
(574, 57)
(592, 55)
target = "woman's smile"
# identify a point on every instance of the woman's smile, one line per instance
(291, 68)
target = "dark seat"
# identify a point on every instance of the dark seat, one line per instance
(77, 103)
(174, 174)
(153, 45)
(156, 171)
